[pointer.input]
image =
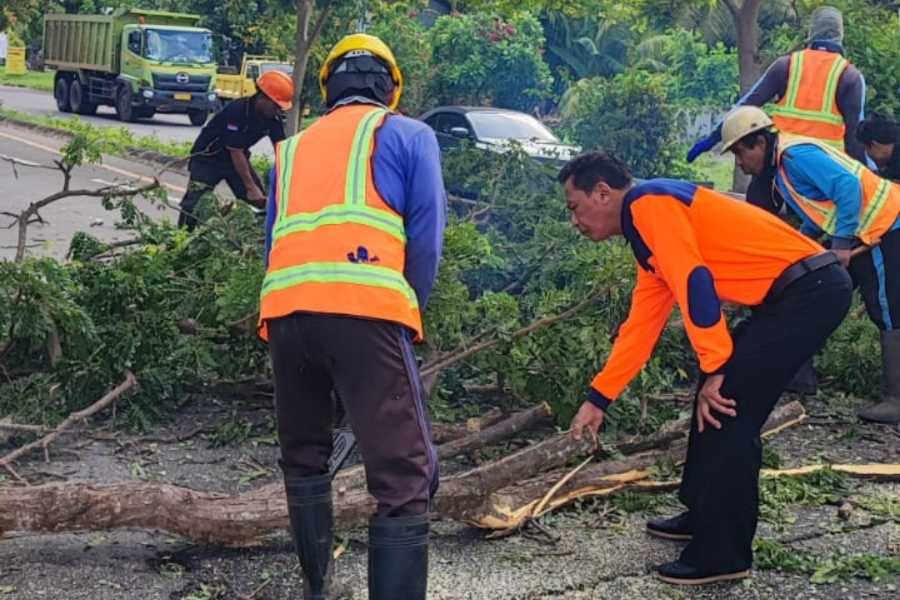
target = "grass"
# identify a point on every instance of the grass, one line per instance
(717, 169)
(117, 140)
(35, 80)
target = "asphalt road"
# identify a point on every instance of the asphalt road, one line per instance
(24, 184)
(167, 128)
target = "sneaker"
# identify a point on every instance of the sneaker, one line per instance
(678, 573)
(674, 528)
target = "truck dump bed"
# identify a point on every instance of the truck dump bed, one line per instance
(81, 42)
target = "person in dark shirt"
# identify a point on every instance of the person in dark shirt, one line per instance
(881, 137)
(222, 150)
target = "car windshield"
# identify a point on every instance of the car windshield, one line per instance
(176, 46)
(266, 67)
(515, 126)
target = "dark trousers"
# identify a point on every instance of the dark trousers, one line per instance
(877, 273)
(721, 476)
(371, 366)
(205, 176)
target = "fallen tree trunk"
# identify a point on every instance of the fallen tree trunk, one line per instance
(356, 476)
(511, 507)
(502, 430)
(245, 519)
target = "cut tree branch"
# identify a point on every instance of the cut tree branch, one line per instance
(451, 359)
(80, 415)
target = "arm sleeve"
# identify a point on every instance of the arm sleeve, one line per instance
(770, 86)
(767, 88)
(664, 224)
(276, 132)
(815, 169)
(851, 101)
(425, 214)
(651, 305)
(271, 209)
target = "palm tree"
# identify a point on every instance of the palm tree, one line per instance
(586, 47)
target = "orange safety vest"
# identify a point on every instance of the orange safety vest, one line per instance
(880, 202)
(337, 246)
(809, 105)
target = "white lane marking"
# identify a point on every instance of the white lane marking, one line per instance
(118, 171)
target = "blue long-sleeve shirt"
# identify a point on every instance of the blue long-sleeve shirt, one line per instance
(817, 176)
(407, 171)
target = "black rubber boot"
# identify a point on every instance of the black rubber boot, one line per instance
(805, 380)
(312, 527)
(398, 558)
(888, 410)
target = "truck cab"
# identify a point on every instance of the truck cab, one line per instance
(232, 86)
(168, 69)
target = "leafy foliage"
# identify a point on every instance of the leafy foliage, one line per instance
(486, 60)
(630, 114)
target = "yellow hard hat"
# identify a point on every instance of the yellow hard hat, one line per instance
(369, 43)
(742, 121)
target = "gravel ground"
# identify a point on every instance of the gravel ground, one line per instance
(592, 558)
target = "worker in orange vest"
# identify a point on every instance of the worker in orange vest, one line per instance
(696, 248)
(356, 215)
(841, 199)
(819, 94)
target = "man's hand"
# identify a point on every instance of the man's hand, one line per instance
(256, 197)
(709, 399)
(843, 255)
(588, 416)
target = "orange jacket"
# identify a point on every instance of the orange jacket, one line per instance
(694, 247)
(337, 246)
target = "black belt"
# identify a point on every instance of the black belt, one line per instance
(798, 270)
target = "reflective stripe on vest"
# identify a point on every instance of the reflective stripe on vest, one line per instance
(880, 202)
(347, 257)
(809, 105)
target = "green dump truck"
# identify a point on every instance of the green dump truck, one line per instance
(138, 61)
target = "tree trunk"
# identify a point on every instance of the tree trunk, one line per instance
(473, 438)
(244, 519)
(303, 43)
(745, 24)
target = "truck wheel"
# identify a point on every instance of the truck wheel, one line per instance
(198, 117)
(61, 93)
(77, 100)
(123, 105)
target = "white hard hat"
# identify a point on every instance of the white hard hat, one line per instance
(742, 121)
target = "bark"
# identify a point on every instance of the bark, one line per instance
(503, 430)
(745, 16)
(514, 506)
(244, 519)
(355, 476)
(308, 32)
